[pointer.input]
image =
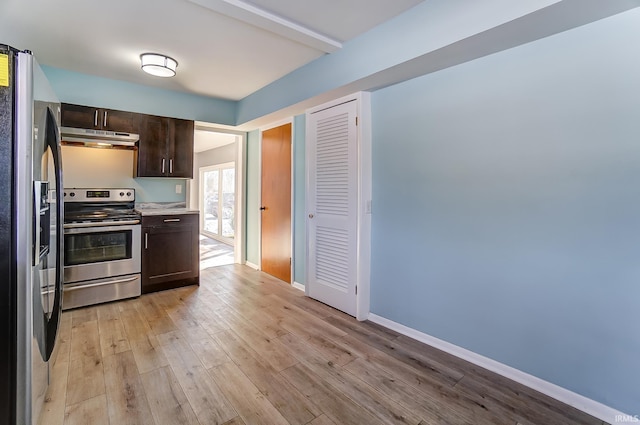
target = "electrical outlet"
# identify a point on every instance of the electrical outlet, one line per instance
(178, 188)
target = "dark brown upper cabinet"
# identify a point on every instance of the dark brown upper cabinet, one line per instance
(165, 148)
(79, 116)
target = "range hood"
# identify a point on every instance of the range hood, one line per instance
(97, 138)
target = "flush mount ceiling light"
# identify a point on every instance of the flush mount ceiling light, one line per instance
(158, 65)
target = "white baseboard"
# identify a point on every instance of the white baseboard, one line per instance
(253, 266)
(298, 286)
(578, 401)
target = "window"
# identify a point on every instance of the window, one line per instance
(217, 196)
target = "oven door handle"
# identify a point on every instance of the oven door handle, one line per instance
(100, 224)
(93, 285)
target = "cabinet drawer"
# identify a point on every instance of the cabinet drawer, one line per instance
(165, 220)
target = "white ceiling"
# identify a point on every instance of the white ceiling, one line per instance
(225, 48)
(204, 140)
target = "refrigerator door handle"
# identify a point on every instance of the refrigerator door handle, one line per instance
(53, 142)
(36, 223)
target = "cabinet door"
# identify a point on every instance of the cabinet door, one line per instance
(122, 121)
(181, 148)
(79, 116)
(152, 156)
(170, 255)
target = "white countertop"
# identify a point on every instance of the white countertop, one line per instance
(166, 211)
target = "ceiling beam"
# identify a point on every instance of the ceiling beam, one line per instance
(268, 21)
(288, 97)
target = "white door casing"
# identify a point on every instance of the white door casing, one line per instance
(338, 204)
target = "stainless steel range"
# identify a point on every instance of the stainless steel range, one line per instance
(102, 246)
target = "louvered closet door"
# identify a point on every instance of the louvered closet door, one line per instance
(332, 202)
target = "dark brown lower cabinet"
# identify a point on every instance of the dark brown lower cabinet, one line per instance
(170, 252)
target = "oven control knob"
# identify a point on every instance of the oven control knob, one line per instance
(121, 193)
(128, 193)
(64, 193)
(72, 194)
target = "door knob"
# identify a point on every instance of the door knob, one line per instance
(263, 208)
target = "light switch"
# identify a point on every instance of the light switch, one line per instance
(178, 188)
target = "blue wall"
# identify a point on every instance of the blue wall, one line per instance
(158, 190)
(83, 89)
(507, 208)
(299, 199)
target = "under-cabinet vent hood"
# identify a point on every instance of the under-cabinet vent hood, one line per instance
(98, 138)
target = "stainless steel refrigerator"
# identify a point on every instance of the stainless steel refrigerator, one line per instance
(31, 240)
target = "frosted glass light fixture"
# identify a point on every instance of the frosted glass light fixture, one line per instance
(158, 65)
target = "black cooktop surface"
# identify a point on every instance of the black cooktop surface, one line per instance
(97, 213)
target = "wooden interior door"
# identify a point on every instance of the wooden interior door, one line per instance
(276, 202)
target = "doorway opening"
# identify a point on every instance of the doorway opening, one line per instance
(217, 191)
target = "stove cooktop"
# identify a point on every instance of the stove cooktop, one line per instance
(97, 205)
(100, 215)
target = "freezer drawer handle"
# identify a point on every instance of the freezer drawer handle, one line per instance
(93, 285)
(171, 220)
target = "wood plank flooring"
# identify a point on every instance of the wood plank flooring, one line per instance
(244, 348)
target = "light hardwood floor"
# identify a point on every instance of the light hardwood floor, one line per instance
(246, 348)
(214, 253)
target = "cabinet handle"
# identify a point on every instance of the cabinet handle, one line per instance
(171, 220)
(95, 118)
(146, 240)
(162, 165)
(104, 121)
(94, 285)
(171, 166)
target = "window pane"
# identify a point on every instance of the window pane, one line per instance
(211, 201)
(228, 202)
